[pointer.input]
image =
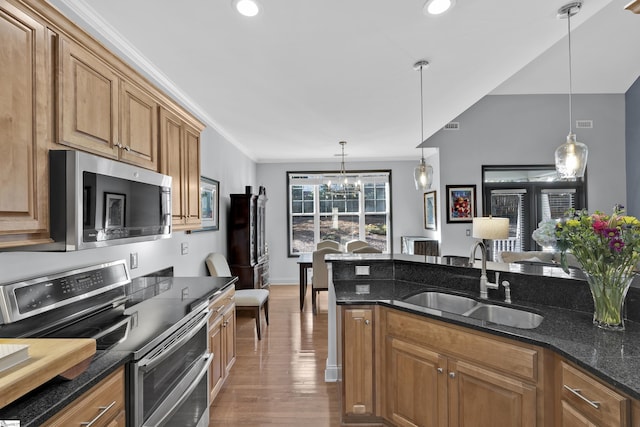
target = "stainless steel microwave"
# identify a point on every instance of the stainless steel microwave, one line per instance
(97, 202)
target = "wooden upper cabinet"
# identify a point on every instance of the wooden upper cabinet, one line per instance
(24, 126)
(180, 159)
(139, 127)
(88, 110)
(102, 112)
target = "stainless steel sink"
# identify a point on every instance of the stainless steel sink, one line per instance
(506, 316)
(444, 302)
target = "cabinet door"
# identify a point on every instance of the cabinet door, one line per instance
(173, 162)
(583, 397)
(416, 385)
(229, 331)
(98, 407)
(217, 369)
(139, 124)
(571, 417)
(357, 365)
(484, 398)
(24, 123)
(192, 176)
(88, 110)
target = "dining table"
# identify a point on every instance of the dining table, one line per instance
(305, 262)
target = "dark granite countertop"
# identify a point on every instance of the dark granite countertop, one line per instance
(567, 327)
(42, 403)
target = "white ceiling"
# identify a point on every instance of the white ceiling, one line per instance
(290, 83)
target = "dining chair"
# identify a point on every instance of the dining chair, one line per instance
(352, 245)
(328, 244)
(320, 278)
(366, 250)
(252, 300)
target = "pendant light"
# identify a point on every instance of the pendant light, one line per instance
(423, 173)
(343, 187)
(571, 157)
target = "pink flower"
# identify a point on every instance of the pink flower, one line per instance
(599, 226)
(611, 233)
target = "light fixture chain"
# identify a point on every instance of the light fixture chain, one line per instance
(421, 114)
(570, 73)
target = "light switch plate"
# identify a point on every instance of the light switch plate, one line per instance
(362, 270)
(133, 260)
(184, 248)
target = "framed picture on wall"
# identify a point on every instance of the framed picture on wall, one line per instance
(430, 210)
(210, 204)
(114, 205)
(461, 203)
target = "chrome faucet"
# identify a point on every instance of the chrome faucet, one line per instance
(484, 282)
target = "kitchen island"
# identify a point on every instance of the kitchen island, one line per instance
(41, 404)
(566, 335)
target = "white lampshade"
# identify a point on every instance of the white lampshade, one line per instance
(490, 228)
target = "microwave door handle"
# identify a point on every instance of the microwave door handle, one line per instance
(185, 395)
(149, 362)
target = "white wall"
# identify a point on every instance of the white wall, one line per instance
(526, 129)
(219, 160)
(406, 215)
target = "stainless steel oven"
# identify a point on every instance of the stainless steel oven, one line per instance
(169, 384)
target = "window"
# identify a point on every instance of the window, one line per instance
(318, 212)
(527, 195)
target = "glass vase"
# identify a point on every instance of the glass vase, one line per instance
(609, 291)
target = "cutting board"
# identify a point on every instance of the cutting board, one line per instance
(48, 358)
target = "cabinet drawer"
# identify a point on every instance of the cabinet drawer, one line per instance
(592, 398)
(447, 339)
(220, 303)
(101, 404)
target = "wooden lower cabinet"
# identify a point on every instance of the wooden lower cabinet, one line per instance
(407, 370)
(416, 385)
(482, 397)
(101, 406)
(357, 345)
(586, 401)
(222, 340)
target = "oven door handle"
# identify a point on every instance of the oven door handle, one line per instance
(185, 395)
(193, 328)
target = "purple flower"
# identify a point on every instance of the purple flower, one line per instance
(611, 233)
(616, 244)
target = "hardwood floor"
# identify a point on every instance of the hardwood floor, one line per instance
(280, 379)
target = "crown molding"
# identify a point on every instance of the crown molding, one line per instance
(109, 35)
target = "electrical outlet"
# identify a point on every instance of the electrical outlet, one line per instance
(184, 248)
(362, 270)
(468, 232)
(133, 260)
(185, 293)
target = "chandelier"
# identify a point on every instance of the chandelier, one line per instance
(345, 185)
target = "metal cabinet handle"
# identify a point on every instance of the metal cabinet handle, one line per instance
(452, 374)
(367, 322)
(127, 148)
(103, 410)
(440, 370)
(576, 392)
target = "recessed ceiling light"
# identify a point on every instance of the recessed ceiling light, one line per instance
(437, 7)
(247, 7)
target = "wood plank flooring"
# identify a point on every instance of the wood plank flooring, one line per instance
(279, 380)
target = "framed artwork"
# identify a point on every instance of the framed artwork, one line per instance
(461, 203)
(114, 208)
(430, 210)
(210, 204)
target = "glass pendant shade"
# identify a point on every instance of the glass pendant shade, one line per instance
(423, 175)
(571, 158)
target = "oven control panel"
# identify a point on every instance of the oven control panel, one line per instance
(27, 298)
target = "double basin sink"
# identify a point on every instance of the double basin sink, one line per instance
(471, 308)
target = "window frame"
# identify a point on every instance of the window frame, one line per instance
(361, 203)
(533, 188)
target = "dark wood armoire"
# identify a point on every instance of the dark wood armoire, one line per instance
(247, 247)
